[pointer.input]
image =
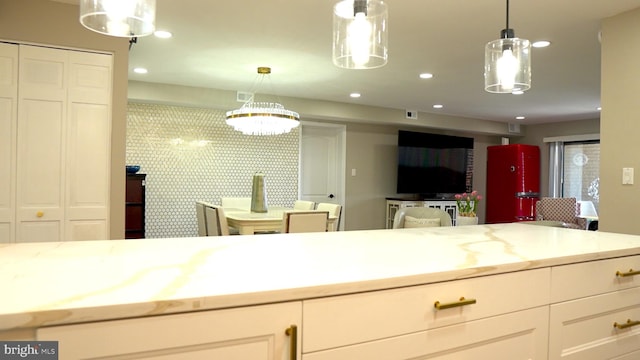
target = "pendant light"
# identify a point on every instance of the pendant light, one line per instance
(360, 34)
(507, 63)
(262, 118)
(123, 18)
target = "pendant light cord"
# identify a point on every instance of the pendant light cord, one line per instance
(507, 14)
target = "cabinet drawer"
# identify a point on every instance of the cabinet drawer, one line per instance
(344, 320)
(519, 335)
(591, 278)
(584, 329)
(256, 332)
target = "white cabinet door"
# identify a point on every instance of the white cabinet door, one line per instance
(255, 333)
(517, 336)
(41, 115)
(8, 124)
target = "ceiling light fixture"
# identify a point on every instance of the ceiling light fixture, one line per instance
(507, 63)
(541, 44)
(123, 18)
(360, 39)
(262, 118)
(426, 76)
(162, 34)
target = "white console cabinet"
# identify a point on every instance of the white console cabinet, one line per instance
(394, 205)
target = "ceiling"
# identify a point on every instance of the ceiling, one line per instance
(219, 44)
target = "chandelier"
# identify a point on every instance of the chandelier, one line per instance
(262, 118)
(123, 18)
(507, 63)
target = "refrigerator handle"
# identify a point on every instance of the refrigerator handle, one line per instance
(527, 194)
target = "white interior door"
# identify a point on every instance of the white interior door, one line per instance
(41, 114)
(322, 163)
(8, 123)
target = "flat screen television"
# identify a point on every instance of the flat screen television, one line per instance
(433, 165)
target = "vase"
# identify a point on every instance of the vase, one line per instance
(258, 194)
(466, 220)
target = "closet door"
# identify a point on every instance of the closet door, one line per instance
(8, 123)
(88, 146)
(41, 144)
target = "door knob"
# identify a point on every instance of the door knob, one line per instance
(331, 196)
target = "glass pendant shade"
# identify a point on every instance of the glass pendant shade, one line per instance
(507, 65)
(360, 34)
(123, 18)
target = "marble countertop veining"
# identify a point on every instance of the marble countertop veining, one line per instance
(73, 282)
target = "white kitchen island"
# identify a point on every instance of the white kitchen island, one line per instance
(508, 291)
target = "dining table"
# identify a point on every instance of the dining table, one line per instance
(249, 222)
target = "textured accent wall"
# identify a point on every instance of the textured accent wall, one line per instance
(191, 154)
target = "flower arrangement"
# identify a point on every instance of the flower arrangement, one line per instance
(468, 203)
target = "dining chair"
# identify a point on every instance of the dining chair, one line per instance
(335, 210)
(216, 221)
(304, 205)
(200, 215)
(236, 202)
(304, 221)
(414, 217)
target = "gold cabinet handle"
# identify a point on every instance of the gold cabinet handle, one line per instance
(629, 273)
(628, 324)
(292, 333)
(40, 214)
(462, 302)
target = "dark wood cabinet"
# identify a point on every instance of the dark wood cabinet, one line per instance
(135, 206)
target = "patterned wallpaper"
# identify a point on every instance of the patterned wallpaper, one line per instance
(191, 154)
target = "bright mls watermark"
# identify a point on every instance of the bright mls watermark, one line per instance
(32, 350)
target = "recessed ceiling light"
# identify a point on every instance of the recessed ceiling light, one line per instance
(518, 92)
(355, 95)
(426, 76)
(163, 34)
(541, 44)
(140, 70)
(599, 108)
(438, 106)
(520, 118)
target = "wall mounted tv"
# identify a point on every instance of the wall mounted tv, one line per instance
(433, 165)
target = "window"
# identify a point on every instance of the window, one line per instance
(574, 168)
(581, 171)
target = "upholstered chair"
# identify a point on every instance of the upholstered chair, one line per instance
(421, 217)
(563, 210)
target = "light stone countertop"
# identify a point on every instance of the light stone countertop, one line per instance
(73, 282)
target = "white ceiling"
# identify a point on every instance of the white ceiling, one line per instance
(219, 44)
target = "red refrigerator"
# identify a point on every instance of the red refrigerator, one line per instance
(513, 183)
